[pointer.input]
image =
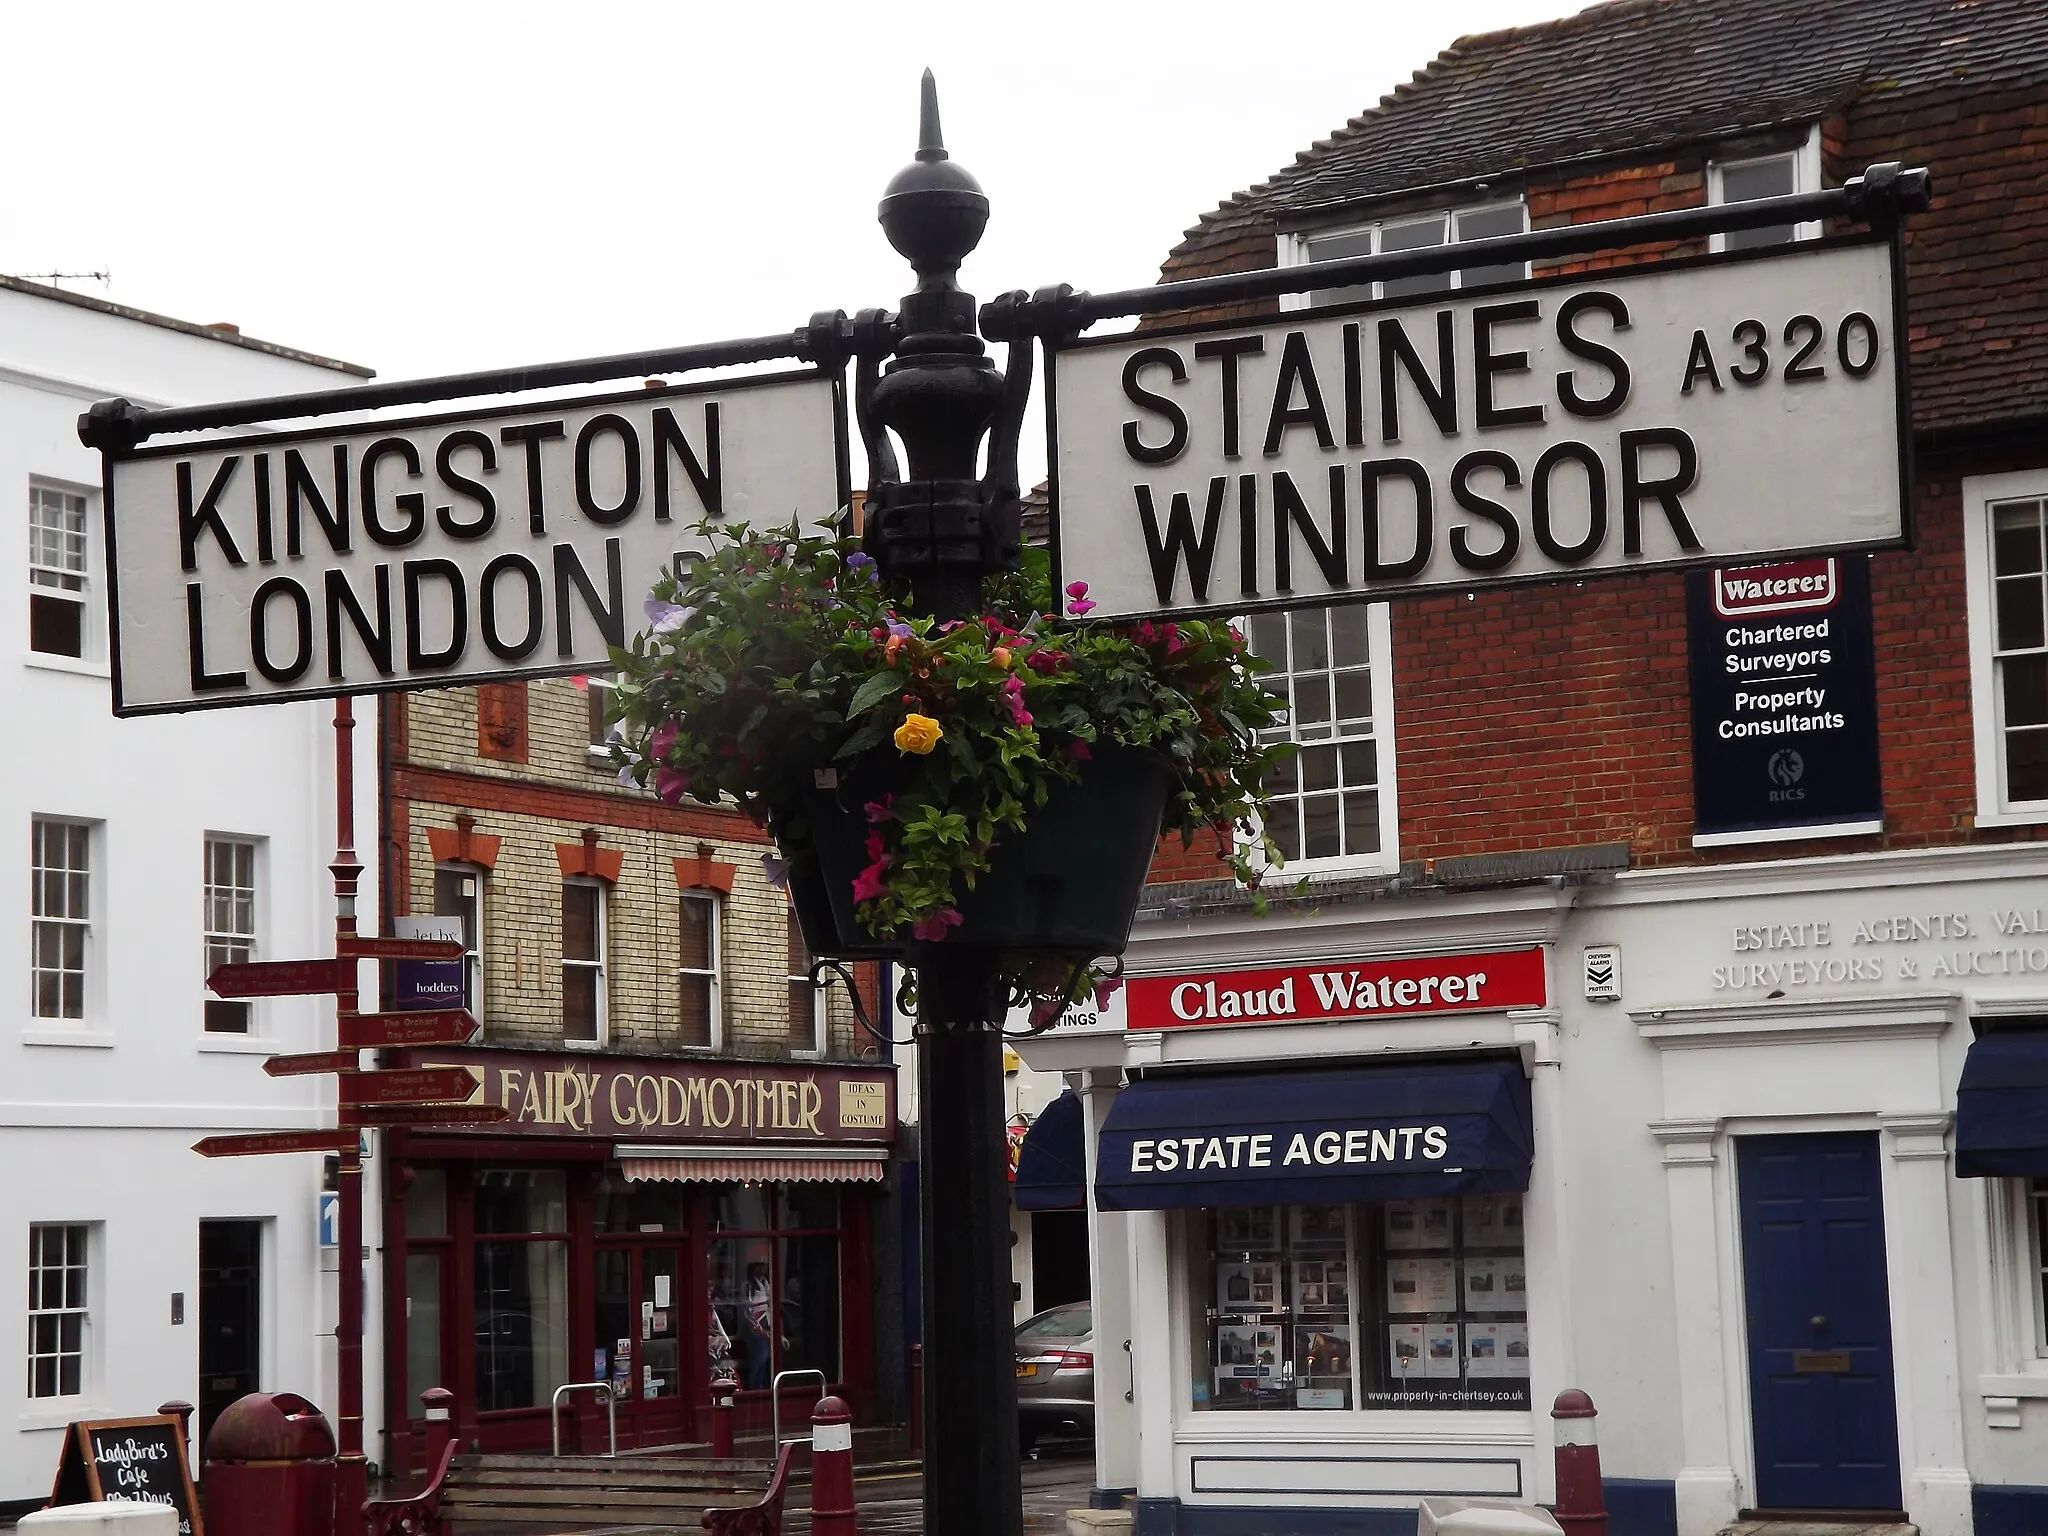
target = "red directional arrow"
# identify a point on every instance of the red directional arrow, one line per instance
(312, 1061)
(408, 1085)
(370, 946)
(281, 978)
(264, 1142)
(424, 1114)
(432, 1026)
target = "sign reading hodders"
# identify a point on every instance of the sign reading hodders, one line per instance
(513, 542)
(1724, 411)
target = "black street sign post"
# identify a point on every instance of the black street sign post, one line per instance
(1518, 362)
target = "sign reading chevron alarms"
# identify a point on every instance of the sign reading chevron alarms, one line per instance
(466, 548)
(1728, 411)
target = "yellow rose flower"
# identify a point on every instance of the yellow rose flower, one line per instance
(918, 733)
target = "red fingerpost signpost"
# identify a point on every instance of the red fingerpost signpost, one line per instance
(428, 1026)
(408, 1085)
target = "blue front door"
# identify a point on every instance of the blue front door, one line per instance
(1820, 1328)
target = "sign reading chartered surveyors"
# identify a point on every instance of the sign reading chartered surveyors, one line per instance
(1784, 701)
(514, 542)
(1719, 411)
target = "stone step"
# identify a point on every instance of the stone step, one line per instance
(1828, 1527)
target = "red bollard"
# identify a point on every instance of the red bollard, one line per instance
(1581, 1506)
(438, 1405)
(831, 1468)
(183, 1412)
(721, 1418)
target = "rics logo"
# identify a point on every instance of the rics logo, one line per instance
(1785, 769)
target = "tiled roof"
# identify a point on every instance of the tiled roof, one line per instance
(1949, 83)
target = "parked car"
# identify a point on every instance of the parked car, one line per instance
(1056, 1373)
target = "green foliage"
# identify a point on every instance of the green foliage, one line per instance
(785, 655)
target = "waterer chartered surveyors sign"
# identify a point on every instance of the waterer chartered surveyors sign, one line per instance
(1726, 411)
(510, 542)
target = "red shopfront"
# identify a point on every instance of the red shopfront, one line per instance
(649, 1222)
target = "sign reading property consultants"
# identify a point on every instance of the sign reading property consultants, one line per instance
(1338, 990)
(512, 542)
(1721, 411)
(1784, 701)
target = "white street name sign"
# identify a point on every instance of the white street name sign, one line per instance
(518, 541)
(1716, 412)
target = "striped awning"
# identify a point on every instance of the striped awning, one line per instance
(756, 1165)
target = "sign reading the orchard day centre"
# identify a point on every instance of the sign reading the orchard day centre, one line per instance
(513, 542)
(1724, 411)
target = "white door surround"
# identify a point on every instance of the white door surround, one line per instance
(1789, 1066)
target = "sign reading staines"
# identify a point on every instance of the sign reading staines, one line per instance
(1672, 415)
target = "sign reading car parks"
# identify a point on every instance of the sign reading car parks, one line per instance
(1720, 412)
(513, 542)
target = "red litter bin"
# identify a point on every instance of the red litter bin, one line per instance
(269, 1469)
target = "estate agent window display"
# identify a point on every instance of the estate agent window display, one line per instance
(1396, 1304)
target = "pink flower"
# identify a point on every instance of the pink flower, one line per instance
(1077, 589)
(1077, 749)
(664, 737)
(670, 785)
(881, 810)
(867, 885)
(1077, 592)
(877, 849)
(1013, 695)
(1105, 989)
(932, 929)
(1045, 1012)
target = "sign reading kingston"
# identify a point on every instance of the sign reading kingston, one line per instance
(1329, 992)
(1724, 411)
(511, 542)
(667, 1098)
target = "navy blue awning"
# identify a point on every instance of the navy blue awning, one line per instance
(1052, 1165)
(1360, 1133)
(2002, 1105)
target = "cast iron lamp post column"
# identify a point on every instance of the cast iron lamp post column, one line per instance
(941, 530)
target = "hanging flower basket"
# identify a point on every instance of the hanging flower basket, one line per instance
(996, 783)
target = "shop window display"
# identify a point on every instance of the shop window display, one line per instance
(522, 1287)
(774, 1272)
(1398, 1304)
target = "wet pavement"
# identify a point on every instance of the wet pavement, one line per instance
(890, 1503)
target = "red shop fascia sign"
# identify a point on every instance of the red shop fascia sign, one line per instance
(1336, 991)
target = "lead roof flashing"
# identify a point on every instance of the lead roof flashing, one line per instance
(1588, 864)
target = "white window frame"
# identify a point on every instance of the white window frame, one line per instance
(715, 1000)
(1980, 493)
(2035, 1193)
(821, 1028)
(209, 936)
(1294, 244)
(1379, 640)
(602, 1023)
(598, 754)
(1805, 178)
(472, 958)
(88, 977)
(86, 1237)
(88, 657)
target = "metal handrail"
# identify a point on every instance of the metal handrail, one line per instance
(775, 1396)
(611, 1411)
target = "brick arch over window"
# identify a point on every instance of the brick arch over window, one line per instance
(587, 858)
(463, 844)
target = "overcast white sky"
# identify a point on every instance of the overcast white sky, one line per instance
(436, 187)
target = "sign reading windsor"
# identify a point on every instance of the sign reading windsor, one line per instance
(461, 548)
(1693, 413)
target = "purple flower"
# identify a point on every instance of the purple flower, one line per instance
(867, 885)
(931, 930)
(882, 809)
(626, 777)
(776, 871)
(665, 618)
(670, 785)
(899, 630)
(858, 561)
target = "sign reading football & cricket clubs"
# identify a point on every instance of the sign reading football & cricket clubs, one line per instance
(479, 546)
(1725, 411)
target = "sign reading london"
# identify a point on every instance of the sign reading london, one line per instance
(512, 542)
(1722, 412)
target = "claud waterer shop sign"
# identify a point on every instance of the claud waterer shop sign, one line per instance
(657, 1097)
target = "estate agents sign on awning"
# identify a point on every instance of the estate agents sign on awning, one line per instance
(1627, 419)
(513, 542)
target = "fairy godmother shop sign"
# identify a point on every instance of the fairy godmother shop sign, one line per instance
(667, 1098)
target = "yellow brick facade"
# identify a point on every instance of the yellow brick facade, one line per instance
(522, 906)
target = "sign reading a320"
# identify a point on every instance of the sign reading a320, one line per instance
(1725, 411)
(513, 542)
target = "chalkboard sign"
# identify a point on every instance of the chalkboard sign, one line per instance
(136, 1461)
